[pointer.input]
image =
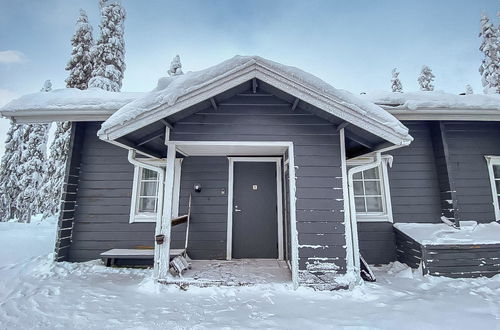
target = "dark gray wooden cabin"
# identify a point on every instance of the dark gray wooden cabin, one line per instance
(267, 142)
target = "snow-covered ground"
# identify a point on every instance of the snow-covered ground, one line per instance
(35, 293)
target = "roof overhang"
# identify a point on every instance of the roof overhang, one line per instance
(268, 74)
(67, 104)
(47, 116)
(444, 114)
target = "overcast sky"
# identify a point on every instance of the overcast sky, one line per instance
(353, 45)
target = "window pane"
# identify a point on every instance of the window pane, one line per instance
(374, 204)
(147, 204)
(360, 204)
(372, 187)
(497, 182)
(148, 189)
(148, 174)
(371, 174)
(496, 171)
(357, 175)
(358, 188)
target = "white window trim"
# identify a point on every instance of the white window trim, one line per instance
(386, 192)
(153, 217)
(494, 160)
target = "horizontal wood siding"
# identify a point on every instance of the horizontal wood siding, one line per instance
(319, 203)
(408, 250)
(377, 243)
(413, 179)
(415, 195)
(103, 201)
(468, 143)
(462, 260)
(208, 225)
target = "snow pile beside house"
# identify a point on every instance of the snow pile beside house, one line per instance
(172, 90)
(71, 99)
(440, 233)
(434, 100)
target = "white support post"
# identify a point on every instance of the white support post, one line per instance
(163, 226)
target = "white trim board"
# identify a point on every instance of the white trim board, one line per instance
(386, 215)
(494, 160)
(230, 203)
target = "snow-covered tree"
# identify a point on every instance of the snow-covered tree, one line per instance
(32, 167)
(56, 166)
(47, 86)
(395, 82)
(490, 65)
(425, 79)
(109, 52)
(80, 63)
(468, 90)
(30, 172)
(11, 160)
(175, 66)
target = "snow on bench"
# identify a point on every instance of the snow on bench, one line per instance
(109, 257)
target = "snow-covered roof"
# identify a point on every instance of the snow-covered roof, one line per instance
(75, 104)
(434, 100)
(440, 233)
(174, 94)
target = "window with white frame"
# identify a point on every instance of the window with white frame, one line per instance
(147, 193)
(371, 192)
(494, 171)
(145, 196)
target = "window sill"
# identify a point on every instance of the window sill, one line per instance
(139, 218)
(374, 218)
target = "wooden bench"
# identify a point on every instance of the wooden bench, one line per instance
(111, 256)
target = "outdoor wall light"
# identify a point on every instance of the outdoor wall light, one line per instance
(197, 187)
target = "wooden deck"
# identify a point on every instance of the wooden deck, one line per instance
(449, 260)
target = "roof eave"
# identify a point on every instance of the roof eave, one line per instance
(444, 114)
(47, 116)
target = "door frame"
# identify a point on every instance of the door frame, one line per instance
(230, 202)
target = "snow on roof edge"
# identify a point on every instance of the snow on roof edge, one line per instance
(170, 89)
(433, 100)
(70, 99)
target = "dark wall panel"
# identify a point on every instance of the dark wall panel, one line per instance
(103, 200)
(413, 178)
(468, 143)
(208, 225)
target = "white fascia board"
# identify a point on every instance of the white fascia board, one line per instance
(295, 88)
(445, 114)
(47, 116)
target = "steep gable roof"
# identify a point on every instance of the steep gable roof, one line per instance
(174, 94)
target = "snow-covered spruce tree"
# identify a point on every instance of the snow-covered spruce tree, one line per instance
(109, 52)
(468, 90)
(490, 65)
(175, 66)
(395, 82)
(11, 160)
(56, 166)
(80, 63)
(31, 171)
(425, 79)
(47, 86)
